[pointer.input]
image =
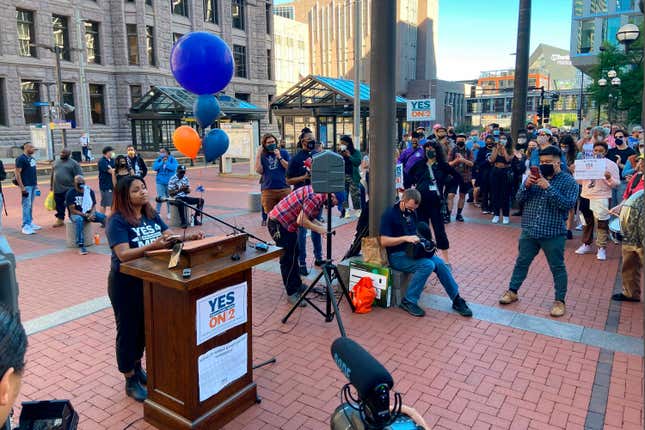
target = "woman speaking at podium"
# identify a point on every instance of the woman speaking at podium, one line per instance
(133, 228)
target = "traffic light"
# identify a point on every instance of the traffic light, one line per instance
(546, 113)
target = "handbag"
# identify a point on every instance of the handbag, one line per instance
(373, 252)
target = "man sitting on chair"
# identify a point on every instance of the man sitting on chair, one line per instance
(81, 203)
(179, 188)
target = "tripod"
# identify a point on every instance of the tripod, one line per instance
(329, 272)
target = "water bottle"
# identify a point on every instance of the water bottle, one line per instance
(97, 239)
(37, 192)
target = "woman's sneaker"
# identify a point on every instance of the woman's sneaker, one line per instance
(584, 249)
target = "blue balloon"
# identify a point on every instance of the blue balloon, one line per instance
(202, 63)
(215, 144)
(206, 110)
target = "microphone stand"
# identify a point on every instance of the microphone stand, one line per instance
(221, 221)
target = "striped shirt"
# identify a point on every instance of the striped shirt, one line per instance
(546, 211)
(302, 199)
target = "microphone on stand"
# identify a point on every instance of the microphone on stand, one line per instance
(170, 201)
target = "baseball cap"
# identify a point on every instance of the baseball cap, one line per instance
(637, 128)
(545, 131)
(438, 127)
(181, 168)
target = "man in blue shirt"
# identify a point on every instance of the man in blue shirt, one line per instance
(398, 229)
(106, 167)
(27, 182)
(547, 199)
(81, 211)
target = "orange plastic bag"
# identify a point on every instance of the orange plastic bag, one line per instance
(363, 295)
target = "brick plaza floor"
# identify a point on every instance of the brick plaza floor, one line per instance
(506, 368)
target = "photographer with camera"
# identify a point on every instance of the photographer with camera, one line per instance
(410, 253)
(547, 195)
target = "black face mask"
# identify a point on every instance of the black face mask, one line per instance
(81, 185)
(547, 170)
(311, 145)
(431, 154)
(489, 145)
(619, 141)
(461, 144)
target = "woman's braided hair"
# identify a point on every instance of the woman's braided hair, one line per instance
(13, 342)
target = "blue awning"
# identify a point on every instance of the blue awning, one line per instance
(346, 87)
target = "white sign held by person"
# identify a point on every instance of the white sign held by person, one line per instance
(421, 110)
(221, 311)
(399, 176)
(591, 168)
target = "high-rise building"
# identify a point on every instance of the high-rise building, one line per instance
(291, 52)
(285, 11)
(595, 22)
(331, 41)
(112, 53)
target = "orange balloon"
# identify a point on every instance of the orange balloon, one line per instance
(187, 141)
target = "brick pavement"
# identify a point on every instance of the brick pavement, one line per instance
(458, 373)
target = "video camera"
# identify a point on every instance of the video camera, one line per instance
(371, 410)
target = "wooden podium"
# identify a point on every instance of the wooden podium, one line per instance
(195, 340)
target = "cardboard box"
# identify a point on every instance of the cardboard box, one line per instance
(381, 278)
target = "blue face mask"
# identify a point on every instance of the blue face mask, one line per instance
(272, 147)
(496, 133)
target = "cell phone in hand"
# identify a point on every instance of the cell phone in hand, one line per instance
(535, 171)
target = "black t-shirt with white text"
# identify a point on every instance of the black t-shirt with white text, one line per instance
(119, 231)
(75, 198)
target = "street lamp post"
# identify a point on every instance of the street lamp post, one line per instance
(615, 82)
(626, 35)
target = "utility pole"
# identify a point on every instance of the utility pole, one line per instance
(580, 102)
(521, 80)
(382, 110)
(59, 84)
(357, 73)
(84, 111)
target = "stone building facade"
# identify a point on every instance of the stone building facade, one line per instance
(113, 52)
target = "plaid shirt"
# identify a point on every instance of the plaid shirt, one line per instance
(175, 184)
(302, 199)
(546, 211)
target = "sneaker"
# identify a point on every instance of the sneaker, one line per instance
(505, 220)
(264, 223)
(83, 250)
(495, 219)
(304, 271)
(27, 230)
(134, 389)
(584, 249)
(459, 218)
(461, 307)
(446, 220)
(141, 374)
(319, 263)
(59, 223)
(579, 227)
(485, 212)
(601, 254)
(569, 235)
(620, 297)
(35, 227)
(293, 299)
(558, 309)
(508, 298)
(168, 215)
(412, 308)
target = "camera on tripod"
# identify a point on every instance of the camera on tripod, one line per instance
(425, 247)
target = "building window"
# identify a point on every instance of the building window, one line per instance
(176, 37)
(239, 54)
(210, 11)
(93, 42)
(150, 45)
(30, 95)
(245, 97)
(179, 7)
(68, 98)
(3, 104)
(26, 33)
(237, 10)
(578, 6)
(149, 2)
(586, 30)
(269, 68)
(97, 104)
(610, 27)
(135, 94)
(133, 43)
(625, 5)
(268, 13)
(598, 6)
(61, 36)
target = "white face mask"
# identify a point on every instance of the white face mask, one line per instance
(542, 140)
(600, 139)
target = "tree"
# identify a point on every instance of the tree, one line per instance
(629, 68)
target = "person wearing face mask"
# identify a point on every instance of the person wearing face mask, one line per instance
(165, 165)
(428, 177)
(352, 158)
(399, 227)
(531, 131)
(598, 192)
(501, 179)
(585, 143)
(635, 138)
(136, 163)
(121, 169)
(547, 199)
(106, 184)
(620, 155)
(461, 159)
(81, 203)
(569, 148)
(632, 161)
(298, 175)
(271, 163)
(409, 157)
(483, 170)
(61, 181)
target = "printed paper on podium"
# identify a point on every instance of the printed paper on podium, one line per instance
(221, 366)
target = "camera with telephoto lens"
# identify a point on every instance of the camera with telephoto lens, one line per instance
(425, 247)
